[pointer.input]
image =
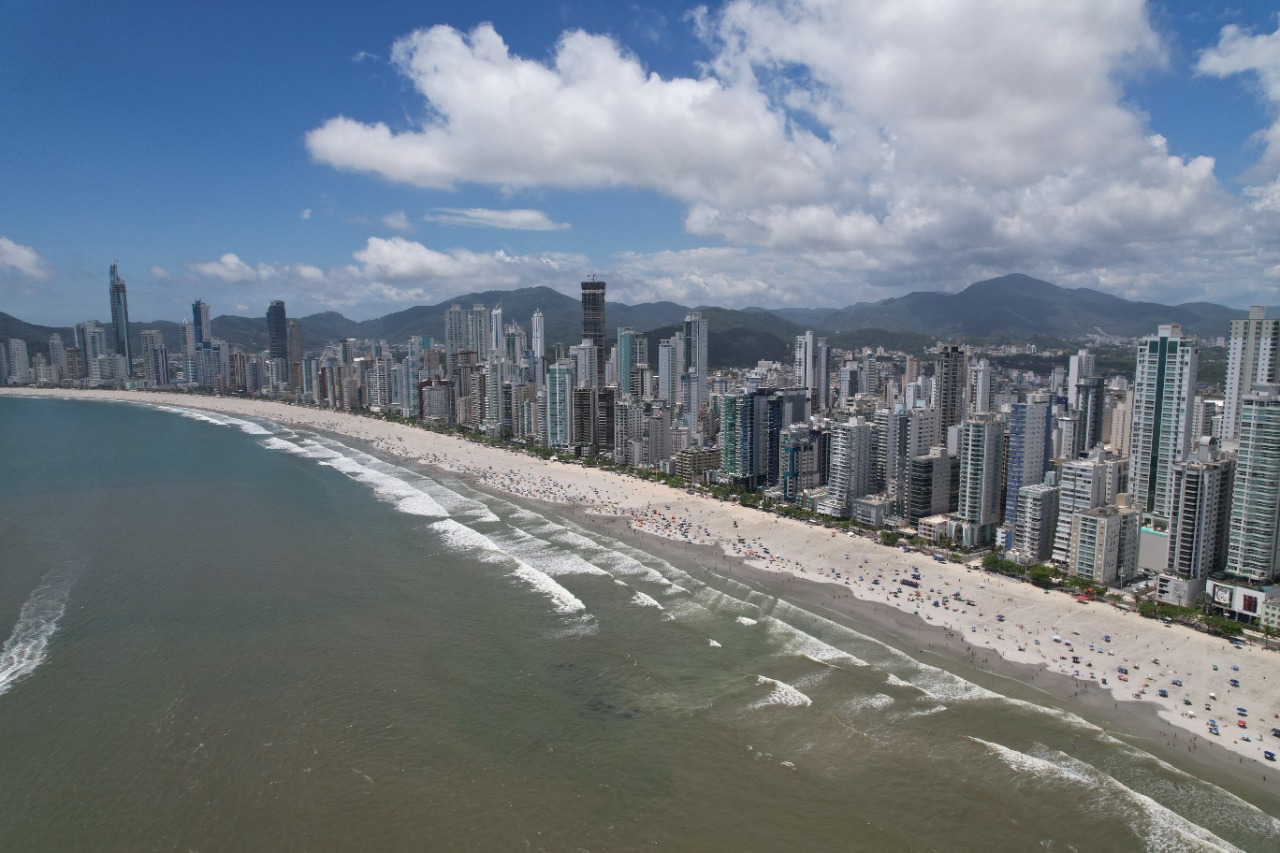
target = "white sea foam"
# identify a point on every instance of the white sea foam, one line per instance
(463, 538)
(544, 557)
(874, 702)
(248, 427)
(745, 620)
(781, 694)
(29, 642)
(217, 419)
(315, 450)
(809, 646)
(279, 444)
(895, 681)
(1162, 828)
(645, 601)
(406, 498)
(564, 601)
(455, 502)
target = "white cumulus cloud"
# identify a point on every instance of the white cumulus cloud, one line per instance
(1258, 56)
(24, 260)
(844, 148)
(397, 220)
(516, 220)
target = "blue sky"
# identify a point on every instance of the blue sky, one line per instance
(759, 152)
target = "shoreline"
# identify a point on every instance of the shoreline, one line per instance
(851, 579)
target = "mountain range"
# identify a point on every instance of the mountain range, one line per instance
(1013, 307)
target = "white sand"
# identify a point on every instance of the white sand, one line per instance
(1032, 617)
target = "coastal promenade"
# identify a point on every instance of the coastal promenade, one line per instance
(993, 616)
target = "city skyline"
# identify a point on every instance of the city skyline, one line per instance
(736, 154)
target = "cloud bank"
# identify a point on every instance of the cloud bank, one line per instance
(853, 148)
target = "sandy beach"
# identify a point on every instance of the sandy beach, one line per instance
(1008, 629)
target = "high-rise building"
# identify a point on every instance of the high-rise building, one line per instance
(671, 369)
(950, 384)
(1253, 358)
(1035, 522)
(928, 485)
(1028, 454)
(455, 330)
(849, 473)
(744, 438)
(1104, 544)
(538, 328)
(1121, 424)
(811, 370)
(1253, 546)
(495, 342)
(58, 356)
(19, 362)
(1164, 385)
(91, 340)
(120, 315)
(978, 510)
(1084, 484)
(903, 435)
(593, 322)
(558, 413)
(633, 351)
(585, 358)
(296, 354)
(1090, 396)
(696, 369)
(277, 331)
(478, 332)
(203, 327)
(980, 388)
(1079, 366)
(1202, 487)
(155, 359)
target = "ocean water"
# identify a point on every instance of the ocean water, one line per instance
(225, 635)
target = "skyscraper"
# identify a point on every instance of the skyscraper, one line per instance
(696, 369)
(200, 319)
(1085, 484)
(479, 333)
(494, 344)
(120, 316)
(633, 351)
(296, 351)
(1198, 524)
(978, 511)
(1253, 358)
(593, 322)
(1164, 385)
(1079, 366)
(1028, 453)
(155, 359)
(277, 331)
(950, 382)
(58, 355)
(811, 370)
(538, 327)
(849, 474)
(1252, 542)
(455, 330)
(19, 362)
